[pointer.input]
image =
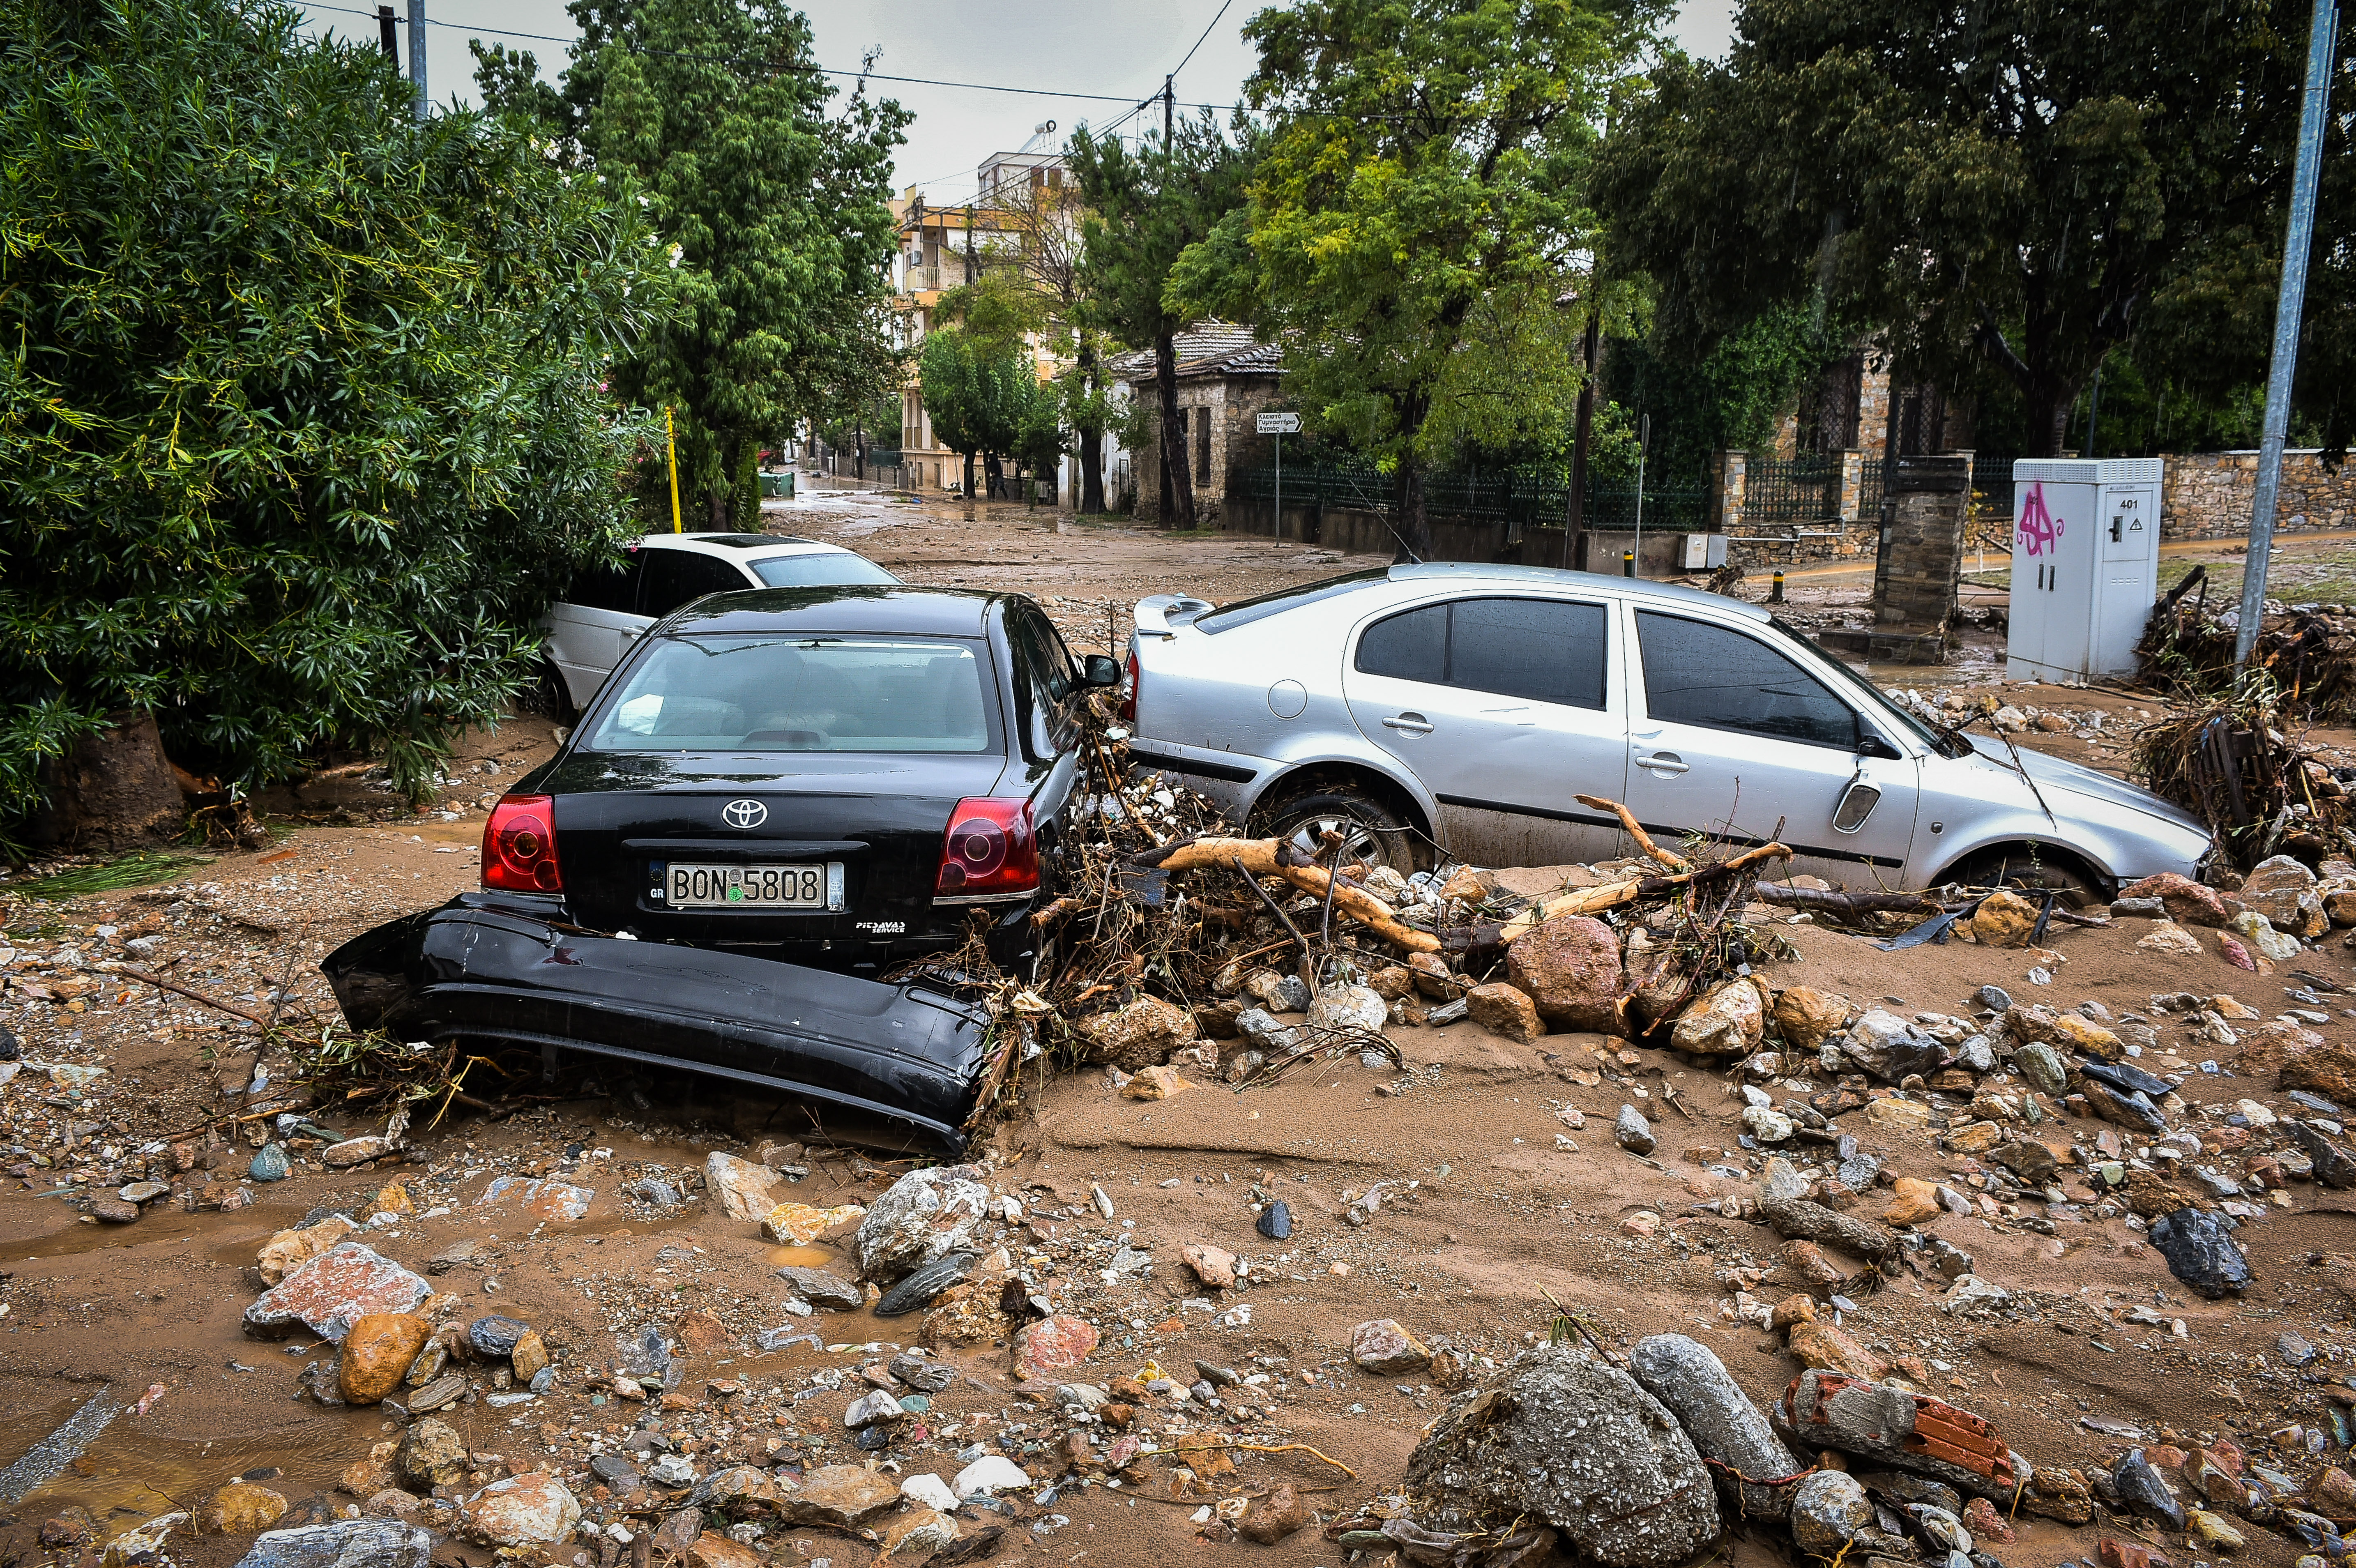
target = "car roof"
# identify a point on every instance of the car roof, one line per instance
(1637, 588)
(861, 609)
(742, 545)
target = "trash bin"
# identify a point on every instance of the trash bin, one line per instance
(778, 484)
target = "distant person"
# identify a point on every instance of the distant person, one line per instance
(997, 477)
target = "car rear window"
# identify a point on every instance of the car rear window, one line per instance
(799, 694)
(819, 569)
(1243, 612)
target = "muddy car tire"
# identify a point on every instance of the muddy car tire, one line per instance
(2025, 873)
(547, 697)
(1369, 830)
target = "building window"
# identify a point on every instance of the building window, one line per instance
(1203, 449)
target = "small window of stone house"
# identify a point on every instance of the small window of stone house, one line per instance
(1203, 449)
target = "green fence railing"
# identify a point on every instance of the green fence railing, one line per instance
(1519, 499)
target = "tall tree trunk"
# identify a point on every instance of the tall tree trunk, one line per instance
(968, 487)
(112, 791)
(1177, 469)
(2048, 421)
(1413, 521)
(1091, 437)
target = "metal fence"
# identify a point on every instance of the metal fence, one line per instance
(1518, 497)
(1787, 490)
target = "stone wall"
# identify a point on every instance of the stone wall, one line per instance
(2208, 495)
(1232, 405)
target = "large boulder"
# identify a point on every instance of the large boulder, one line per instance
(925, 1215)
(1729, 1022)
(1804, 1016)
(1692, 1383)
(332, 1291)
(1505, 1010)
(378, 1353)
(533, 1509)
(1579, 1446)
(1892, 1047)
(2287, 894)
(2187, 902)
(1569, 967)
(347, 1543)
(743, 1187)
(1140, 1036)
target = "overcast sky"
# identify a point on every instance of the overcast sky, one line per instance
(1118, 48)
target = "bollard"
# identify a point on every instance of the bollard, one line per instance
(1775, 595)
(1627, 563)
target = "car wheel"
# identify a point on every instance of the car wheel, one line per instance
(548, 697)
(1369, 832)
(2025, 871)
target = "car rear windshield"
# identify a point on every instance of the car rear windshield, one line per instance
(818, 569)
(1243, 612)
(799, 694)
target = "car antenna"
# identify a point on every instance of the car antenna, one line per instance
(1405, 547)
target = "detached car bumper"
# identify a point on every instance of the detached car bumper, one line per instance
(892, 1059)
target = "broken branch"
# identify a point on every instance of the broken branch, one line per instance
(1628, 823)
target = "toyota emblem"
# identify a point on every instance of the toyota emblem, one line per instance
(744, 813)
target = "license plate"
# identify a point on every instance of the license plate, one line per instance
(753, 886)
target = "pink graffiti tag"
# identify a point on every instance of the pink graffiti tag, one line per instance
(2040, 530)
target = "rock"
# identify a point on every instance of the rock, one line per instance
(1383, 1348)
(924, 1216)
(493, 1336)
(378, 1353)
(2334, 1166)
(1912, 1202)
(2167, 937)
(1805, 1016)
(2059, 1494)
(871, 1409)
(1889, 1048)
(921, 1372)
(2186, 901)
(1055, 1342)
(1213, 1266)
(1575, 1443)
(2064, 1031)
(1505, 1010)
(332, 1291)
(531, 1509)
(1906, 1432)
(1271, 1519)
(1266, 1033)
(927, 1283)
(1349, 1007)
(290, 1249)
(356, 1152)
(1730, 1021)
(2027, 1158)
(240, 1509)
(929, 1491)
(1980, 1518)
(1570, 968)
(2004, 919)
(1275, 1222)
(1435, 980)
(1631, 1131)
(2200, 1253)
(1796, 1308)
(2260, 936)
(430, 1455)
(1692, 1382)
(270, 1164)
(989, 1475)
(530, 1356)
(743, 1186)
(114, 1210)
(2328, 1071)
(713, 1550)
(1153, 1083)
(798, 1224)
(1829, 1509)
(920, 1533)
(1834, 1350)
(820, 1288)
(2042, 1066)
(2214, 1530)
(2144, 1491)
(1139, 1035)
(345, 1543)
(2284, 892)
(1768, 1126)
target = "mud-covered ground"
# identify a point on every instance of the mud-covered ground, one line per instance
(1495, 1198)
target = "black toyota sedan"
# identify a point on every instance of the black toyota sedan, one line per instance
(777, 797)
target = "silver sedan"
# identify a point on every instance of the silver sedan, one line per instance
(1458, 710)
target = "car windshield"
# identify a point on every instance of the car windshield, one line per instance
(818, 569)
(799, 694)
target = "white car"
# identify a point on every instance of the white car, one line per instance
(606, 610)
(1451, 709)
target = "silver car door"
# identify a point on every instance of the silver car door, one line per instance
(1505, 707)
(1729, 735)
(590, 627)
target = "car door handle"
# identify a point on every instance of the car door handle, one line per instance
(1666, 763)
(1409, 724)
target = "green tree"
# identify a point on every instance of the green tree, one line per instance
(301, 418)
(1143, 209)
(2009, 183)
(985, 398)
(778, 210)
(1419, 210)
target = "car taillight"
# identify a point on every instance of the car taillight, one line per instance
(1129, 703)
(990, 848)
(519, 846)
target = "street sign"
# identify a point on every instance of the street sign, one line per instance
(1280, 425)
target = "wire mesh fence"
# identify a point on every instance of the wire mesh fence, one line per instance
(1519, 498)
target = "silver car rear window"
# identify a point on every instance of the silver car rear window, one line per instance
(1243, 612)
(806, 693)
(819, 569)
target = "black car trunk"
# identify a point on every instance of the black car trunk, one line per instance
(640, 835)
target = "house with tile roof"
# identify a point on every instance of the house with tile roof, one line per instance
(1226, 379)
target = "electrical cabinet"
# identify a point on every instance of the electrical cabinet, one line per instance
(2085, 566)
(1704, 552)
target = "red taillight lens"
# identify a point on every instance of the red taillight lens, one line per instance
(520, 846)
(990, 849)
(1129, 703)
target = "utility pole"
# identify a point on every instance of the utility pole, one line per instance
(421, 103)
(1169, 120)
(2290, 306)
(387, 38)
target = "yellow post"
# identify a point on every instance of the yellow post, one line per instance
(670, 445)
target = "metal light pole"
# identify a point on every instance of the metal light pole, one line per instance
(2290, 306)
(417, 59)
(1644, 437)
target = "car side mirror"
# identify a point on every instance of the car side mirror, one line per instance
(1100, 669)
(1871, 745)
(1855, 804)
